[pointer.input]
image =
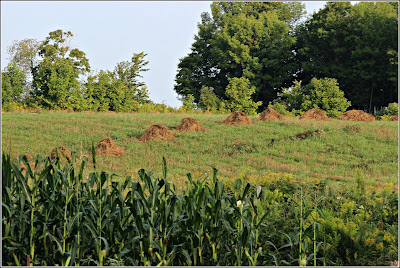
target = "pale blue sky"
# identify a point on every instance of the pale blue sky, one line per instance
(109, 32)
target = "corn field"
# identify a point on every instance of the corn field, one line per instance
(55, 215)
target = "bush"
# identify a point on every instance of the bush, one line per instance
(12, 106)
(323, 94)
(239, 92)
(188, 102)
(210, 102)
(393, 109)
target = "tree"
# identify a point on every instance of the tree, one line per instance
(24, 54)
(98, 88)
(355, 44)
(241, 39)
(239, 92)
(128, 72)
(55, 78)
(119, 90)
(323, 94)
(12, 83)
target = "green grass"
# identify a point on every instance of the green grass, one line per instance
(339, 155)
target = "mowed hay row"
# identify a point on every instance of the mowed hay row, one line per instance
(270, 115)
(315, 114)
(237, 119)
(357, 115)
(156, 132)
(62, 153)
(107, 147)
(189, 124)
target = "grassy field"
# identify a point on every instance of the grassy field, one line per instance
(344, 152)
(328, 199)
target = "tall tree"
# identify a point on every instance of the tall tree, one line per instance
(55, 78)
(355, 44)
(127, 73)
(24, 54)
(241, 39)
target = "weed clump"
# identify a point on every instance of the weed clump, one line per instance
(63, 153)
(156, 132)
(189, 124)
(357, 115)
(315, 114)
(270, 115)
(394, 118)
(107, 147)
(236, 119)
(352, 128)
(302, 136)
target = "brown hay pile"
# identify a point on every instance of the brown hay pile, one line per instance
(107, 147)
(315, 114)
(357, 115)
(394, 118)
(236, 119)
(189, 124)
(156, 132)
(270, 115)
(62, 150)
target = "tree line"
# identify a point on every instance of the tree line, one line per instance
(245, 56)
(274, 47)
(52, 75)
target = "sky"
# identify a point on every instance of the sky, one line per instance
(110, 32)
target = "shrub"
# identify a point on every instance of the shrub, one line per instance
(210, 102)
(323, 94)
(239, 92)
(393, 109)
(188, 102)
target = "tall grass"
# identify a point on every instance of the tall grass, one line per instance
(55, 215)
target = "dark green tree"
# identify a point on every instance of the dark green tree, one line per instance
(241, 39)
(355, 44)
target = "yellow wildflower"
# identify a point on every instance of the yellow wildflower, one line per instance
(379, 199)
(316, 181)
(369, 241)
(379, 246)
(387, 237)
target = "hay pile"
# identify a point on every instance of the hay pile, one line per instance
(62, 153)
(357, 115)
(189, 124)
(270, 115)
(394, 118)
(107, 147)
(236, 119)
(315, 114)
(156, 132)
